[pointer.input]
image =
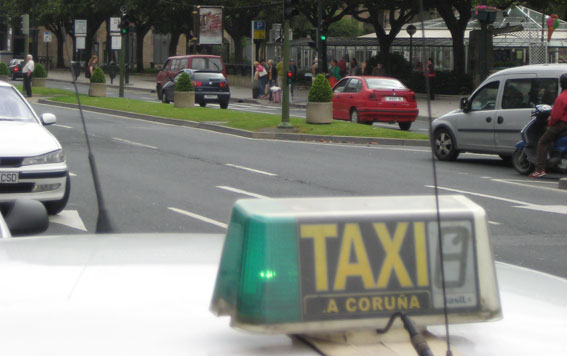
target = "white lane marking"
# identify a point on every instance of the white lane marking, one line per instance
(70, 218)
(486, 177)
(558, 209)
(239, 191)
(63, 126)
(72, 174)
(480, 195)
(493, 223)
(198, 217)
(251, 169)
(513, 182)
(134, 143)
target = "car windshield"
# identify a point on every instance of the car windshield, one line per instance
(12, 107)
(381, 83)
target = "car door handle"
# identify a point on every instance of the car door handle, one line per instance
(500, 119)
(488, 119)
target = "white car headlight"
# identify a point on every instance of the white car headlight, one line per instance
(51, 157)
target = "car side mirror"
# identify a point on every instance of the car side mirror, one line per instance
(465, 105)
(26, 217)
(48, 119)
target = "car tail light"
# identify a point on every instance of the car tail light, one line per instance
(222, 84)
(16, 69)
(198, 84)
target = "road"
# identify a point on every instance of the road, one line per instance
(163, 178)
(421, 125)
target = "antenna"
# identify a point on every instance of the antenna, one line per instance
(103, 223)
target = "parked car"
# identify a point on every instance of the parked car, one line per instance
(490, 120)
(210, 87)
(32, 163)
(195, 61)
(367, 99)
(15, 66)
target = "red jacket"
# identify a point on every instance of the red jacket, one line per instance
(559, 112)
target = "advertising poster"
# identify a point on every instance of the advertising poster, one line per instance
(211, 29)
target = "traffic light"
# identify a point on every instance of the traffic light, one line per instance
(290, 9)
(323, 31)
(124, 24)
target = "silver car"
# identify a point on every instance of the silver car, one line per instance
(490, 120)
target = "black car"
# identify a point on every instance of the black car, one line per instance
(15, 66)
(210, 87)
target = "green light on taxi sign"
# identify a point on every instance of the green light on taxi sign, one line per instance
(289, 264)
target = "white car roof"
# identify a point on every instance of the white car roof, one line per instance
(555, 69)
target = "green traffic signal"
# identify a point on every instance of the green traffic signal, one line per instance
(323, 38)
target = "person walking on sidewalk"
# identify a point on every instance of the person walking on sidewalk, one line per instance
(272, 77)
(279, 67)
(28, 70)
(556, 126)
(291, 79)
(431, 74)
(91, 66)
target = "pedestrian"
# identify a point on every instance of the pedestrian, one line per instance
(91, 66)
(342, 65)
(279, 67)
(263, 74)
(29, 66)
(378, 70)
(314, 68)
(334, 73)
(272, 77)
(363, 70)
(354, 69)
(291, 79)
(431, 75)
(556, 126)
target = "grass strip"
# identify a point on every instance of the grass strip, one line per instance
(249, 121)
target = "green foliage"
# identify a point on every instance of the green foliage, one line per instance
(320, 91)
(4, 69)
(98, 76)
(39, 71)
(184, 83)
(345, 27)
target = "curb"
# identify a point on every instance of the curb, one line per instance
(280, 135)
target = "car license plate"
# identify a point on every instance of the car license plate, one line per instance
(210, 96)
(394, 98)
(8, 178)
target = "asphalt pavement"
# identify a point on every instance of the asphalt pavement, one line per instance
(163, 178)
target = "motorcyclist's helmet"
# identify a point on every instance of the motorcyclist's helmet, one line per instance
(563, 81)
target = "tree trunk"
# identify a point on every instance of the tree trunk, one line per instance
(173, 42)
(458, 38)
(238, 50)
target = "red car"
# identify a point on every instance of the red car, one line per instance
(366, 99)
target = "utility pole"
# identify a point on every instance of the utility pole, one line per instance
(124, 23)
(320, 64)
(290, 10)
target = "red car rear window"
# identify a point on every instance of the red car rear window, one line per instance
(383, 83)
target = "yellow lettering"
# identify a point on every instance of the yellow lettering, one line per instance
(392, 262)
(319, 233)
(350, 305)
(421, 254)
(414, 302)
(332, 306)
(377, 303)
(364, 304)
(390, 302)
(353, 238)
(402, 302)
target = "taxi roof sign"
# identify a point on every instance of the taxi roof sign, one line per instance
(330, 264)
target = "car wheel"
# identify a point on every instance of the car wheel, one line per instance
(164, 98)
(224, 104)
(55, 207)
(202, 105)
(444, 145)
(354, 116)
(159, 92)
(404, 126)
(521, 163)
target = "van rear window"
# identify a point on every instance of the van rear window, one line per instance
(206, 63)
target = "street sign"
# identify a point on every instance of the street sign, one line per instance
(116, 42)
(259, 27)
(80, 27)
(47, 37)
(80, 42)
(115, 24)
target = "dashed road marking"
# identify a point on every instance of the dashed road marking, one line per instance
(240, 191)
(63, 126)
(133, 143)
(199, 217)
(251, 170)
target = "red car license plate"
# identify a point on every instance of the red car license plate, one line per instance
(394, 98)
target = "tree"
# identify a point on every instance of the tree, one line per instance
(237, 19)
(457, 24)
(345, 27)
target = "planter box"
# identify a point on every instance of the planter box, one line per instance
(4, 78)
(183, 99)
(38, 82)
(319, 113)
(97, 89)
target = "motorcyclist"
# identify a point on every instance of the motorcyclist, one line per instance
(556, 126)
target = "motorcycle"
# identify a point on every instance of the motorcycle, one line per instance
(525, 155)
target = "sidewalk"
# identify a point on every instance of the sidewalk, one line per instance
(147, 82)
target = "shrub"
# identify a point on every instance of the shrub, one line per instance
(320, 91)
(39, 71)
(184, 83)
(4, 69)
(98, 76)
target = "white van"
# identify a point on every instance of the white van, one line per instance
(490, 120)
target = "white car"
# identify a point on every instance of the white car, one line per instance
(32, 163)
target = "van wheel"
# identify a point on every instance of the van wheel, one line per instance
(521, 163)
(444, 145)
(404, 126)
